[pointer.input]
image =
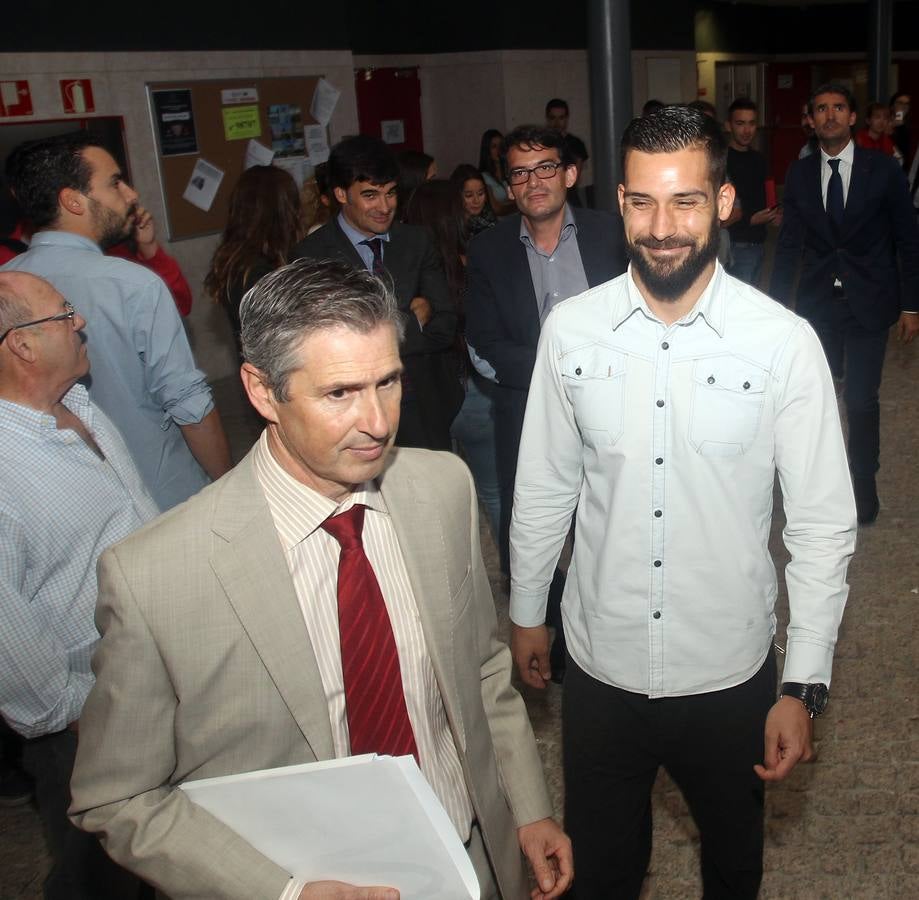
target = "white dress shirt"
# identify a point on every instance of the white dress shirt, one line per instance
(312, 557)
(667, 439)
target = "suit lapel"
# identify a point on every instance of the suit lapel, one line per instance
(251, 568)
(343, 246)
(858, 189)
(522, 279)
(420, 532)
(814, 192)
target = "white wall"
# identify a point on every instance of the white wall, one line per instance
(118, 82)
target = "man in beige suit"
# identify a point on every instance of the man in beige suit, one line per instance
(220, 648)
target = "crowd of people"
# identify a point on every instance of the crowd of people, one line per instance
(616, 384)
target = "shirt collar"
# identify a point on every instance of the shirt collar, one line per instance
(296, 509)
(29, 420)
(569, 227)
(709, 306)
(357, 237)
(64, 239)
(847, 154)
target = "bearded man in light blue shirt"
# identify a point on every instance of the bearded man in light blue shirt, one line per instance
(662, 406)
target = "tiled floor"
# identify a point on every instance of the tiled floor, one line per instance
(846, 826)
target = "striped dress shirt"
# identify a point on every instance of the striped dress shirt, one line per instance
(312, 558)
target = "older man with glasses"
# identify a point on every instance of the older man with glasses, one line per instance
(68, 490)
(518, 271)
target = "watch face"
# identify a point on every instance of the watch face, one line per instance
(819, 697)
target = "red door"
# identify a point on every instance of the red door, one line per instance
(389, 105)
(788, 87)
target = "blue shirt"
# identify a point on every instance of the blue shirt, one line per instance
(665, 440)
(357, 238)
(143, 373)
(60, 507)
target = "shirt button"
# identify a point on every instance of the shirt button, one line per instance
(746, 385)
(711, 379)
(657, 614)
(659, 461)
(665, 346)
(660, 403)
(577, 371)
(658, 513)
(657, 564)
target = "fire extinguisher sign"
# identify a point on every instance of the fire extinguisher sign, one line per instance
(77, 95)
(15, 98)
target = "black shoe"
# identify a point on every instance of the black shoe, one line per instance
(15, 788)
(867, 505)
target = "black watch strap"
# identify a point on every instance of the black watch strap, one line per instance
(814, 696)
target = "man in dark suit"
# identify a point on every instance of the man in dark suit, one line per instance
(517, 272)
(363, 172)
(848, 217)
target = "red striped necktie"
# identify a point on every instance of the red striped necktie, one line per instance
(378, 720)
(376, 248)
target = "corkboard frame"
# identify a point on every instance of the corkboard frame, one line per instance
(183, 219)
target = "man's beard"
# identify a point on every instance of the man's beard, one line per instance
(666, 279)
(111, 228)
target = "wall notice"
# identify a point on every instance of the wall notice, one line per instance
(241, 122)
(175, 122)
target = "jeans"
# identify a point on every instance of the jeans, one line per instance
(474, 430)
(748, 261)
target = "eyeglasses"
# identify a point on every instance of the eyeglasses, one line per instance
(544, 171)
(58, 318)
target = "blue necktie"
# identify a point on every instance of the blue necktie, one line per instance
(835, 204)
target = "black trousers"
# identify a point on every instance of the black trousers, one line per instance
(614, 742)
(80, 868)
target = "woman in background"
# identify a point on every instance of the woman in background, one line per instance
(263, 224)
(491, 165)
(437, 205)
(477, 212)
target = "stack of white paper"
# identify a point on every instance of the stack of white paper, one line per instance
(363, 820)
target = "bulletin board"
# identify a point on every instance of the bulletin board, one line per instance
(217, 132)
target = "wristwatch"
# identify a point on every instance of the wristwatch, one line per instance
(814, 696)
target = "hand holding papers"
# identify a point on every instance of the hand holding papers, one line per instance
(364, 820)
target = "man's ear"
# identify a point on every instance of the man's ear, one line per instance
(341, 195)
(260, 395)
(725, 200)
(23, 343)
(72, 201)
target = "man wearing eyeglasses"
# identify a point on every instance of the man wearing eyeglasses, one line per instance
(68, 490)
(517, 272)
(144, 376)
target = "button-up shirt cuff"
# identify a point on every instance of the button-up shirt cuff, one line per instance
(808, 663)
(189, 410)
(528, 608)
(293, 889)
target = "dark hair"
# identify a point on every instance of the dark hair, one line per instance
(742, 103)
(10, 211)
(652, 106)
(436, 205)
(704, 107)
(37, 172)
(675, 128)
(302, 298)
(872, 107)
(486, 163)
(361, 158)
(530, 136)
(263, 222)
(893, 96)
(831, 87)
(557, 103)
(413, 171)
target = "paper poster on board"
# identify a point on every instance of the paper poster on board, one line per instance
(175, 122)
(241, 122)
(286, 123)
(203, 184)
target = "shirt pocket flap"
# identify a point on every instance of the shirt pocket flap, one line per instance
(727, 373)
(592, 361)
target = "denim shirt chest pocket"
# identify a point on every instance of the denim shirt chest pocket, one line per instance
(594, 380)
(728, 394)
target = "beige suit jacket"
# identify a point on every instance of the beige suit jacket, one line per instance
(205, 668)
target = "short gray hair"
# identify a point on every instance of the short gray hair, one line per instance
(14, 307)
(301, 298)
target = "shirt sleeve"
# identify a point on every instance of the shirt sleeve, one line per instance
(549, 474)
(171, 375)
(293, 889)
(39, 694)
(819, 504)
